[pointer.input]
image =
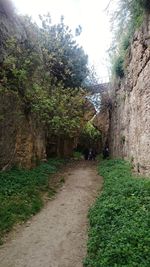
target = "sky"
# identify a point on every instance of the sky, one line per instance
(96, 35)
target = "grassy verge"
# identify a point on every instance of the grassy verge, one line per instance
(21, 193)
(119, 220)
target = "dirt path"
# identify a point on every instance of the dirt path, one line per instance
(56, 237)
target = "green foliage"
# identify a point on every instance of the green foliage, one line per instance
(68, 117)
(125, 42)
(89, 136)
(118, 68)
(126, 19)
(65, 60)
(77, 155)
(119, 220)
(47, 70)
(91, 131)
(63, 111)
(130, 12)
(21, 193)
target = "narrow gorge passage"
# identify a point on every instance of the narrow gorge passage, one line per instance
(56, 237)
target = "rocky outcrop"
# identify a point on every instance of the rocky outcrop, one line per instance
(130, 115)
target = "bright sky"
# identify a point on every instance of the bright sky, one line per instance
(90, 14)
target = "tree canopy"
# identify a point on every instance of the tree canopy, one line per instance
(47, 68)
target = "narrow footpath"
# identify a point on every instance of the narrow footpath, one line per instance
(56, 237)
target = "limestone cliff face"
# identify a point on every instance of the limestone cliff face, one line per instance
(130, 115)
(22, 140)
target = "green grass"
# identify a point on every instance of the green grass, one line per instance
(21, 193)
(119, 233)
(77, 155)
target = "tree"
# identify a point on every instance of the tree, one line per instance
(65, 60)
(62, 112)
(92, 78)
(47, 68)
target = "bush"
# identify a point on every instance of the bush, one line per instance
(119, 220)
(21, 193)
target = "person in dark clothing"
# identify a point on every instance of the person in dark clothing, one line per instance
(106, 152)
(90, 154)
(94, 154)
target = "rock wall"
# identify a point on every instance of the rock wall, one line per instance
(22, 140)
(129, 134)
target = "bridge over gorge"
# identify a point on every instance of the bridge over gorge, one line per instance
(100, 88)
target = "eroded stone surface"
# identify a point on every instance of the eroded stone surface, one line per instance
(130, 117)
